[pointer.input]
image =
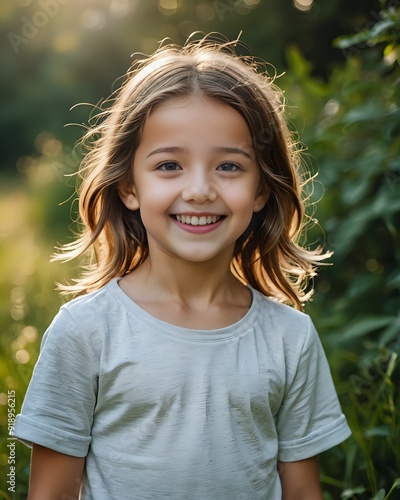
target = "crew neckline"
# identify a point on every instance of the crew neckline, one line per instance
(235, 329)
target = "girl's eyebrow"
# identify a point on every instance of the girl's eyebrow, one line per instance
(220, 149)
(237, 151)
(167, 149)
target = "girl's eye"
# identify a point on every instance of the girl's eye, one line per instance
(169, 166)
(229, 167)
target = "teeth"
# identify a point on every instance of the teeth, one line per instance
(198, 221)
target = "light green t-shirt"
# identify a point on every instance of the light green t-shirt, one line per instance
(164, 412)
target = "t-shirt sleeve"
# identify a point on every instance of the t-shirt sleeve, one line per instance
(310, 419)
(57, 411)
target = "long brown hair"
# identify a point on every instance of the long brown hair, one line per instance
(268, 255)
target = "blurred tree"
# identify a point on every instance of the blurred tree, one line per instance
(58, 54)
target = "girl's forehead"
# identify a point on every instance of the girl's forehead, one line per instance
(178, 101)
(196, 123)
(194, 107)
(187, 100)
(195, 111)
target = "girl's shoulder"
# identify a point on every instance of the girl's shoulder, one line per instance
(84, 324)
(281, 312)
(95, 299)
(288, 327)
(88, 312)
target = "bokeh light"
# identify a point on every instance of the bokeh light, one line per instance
(331, 108)
(30, 333)
(119, 8)
(93, 19)
(205, 11)
(47, 144)
(17, 299)
(22, 356)
(168, 7)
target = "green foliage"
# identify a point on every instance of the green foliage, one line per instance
(386, 30)
(352, 129)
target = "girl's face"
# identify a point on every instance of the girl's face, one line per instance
(195, 179)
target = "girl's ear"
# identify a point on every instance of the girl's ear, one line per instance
(261, 198)
(127, 193)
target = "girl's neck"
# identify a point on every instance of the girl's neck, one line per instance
(190, 295)
(203, 281)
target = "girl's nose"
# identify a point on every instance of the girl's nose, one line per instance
(199, 188)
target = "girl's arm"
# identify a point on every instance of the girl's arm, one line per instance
(54, 476)
(300, 480)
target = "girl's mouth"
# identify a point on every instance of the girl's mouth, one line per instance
(195, 220)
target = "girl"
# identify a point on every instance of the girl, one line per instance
(180, 373)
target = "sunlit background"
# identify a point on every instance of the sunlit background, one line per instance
(58, 58)
(59, 53)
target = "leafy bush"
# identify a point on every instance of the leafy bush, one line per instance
(352, 129)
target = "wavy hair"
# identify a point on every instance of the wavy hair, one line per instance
(268, 255)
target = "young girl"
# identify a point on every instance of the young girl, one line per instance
(179, 372)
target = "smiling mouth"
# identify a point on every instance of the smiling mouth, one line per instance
(193, 220)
